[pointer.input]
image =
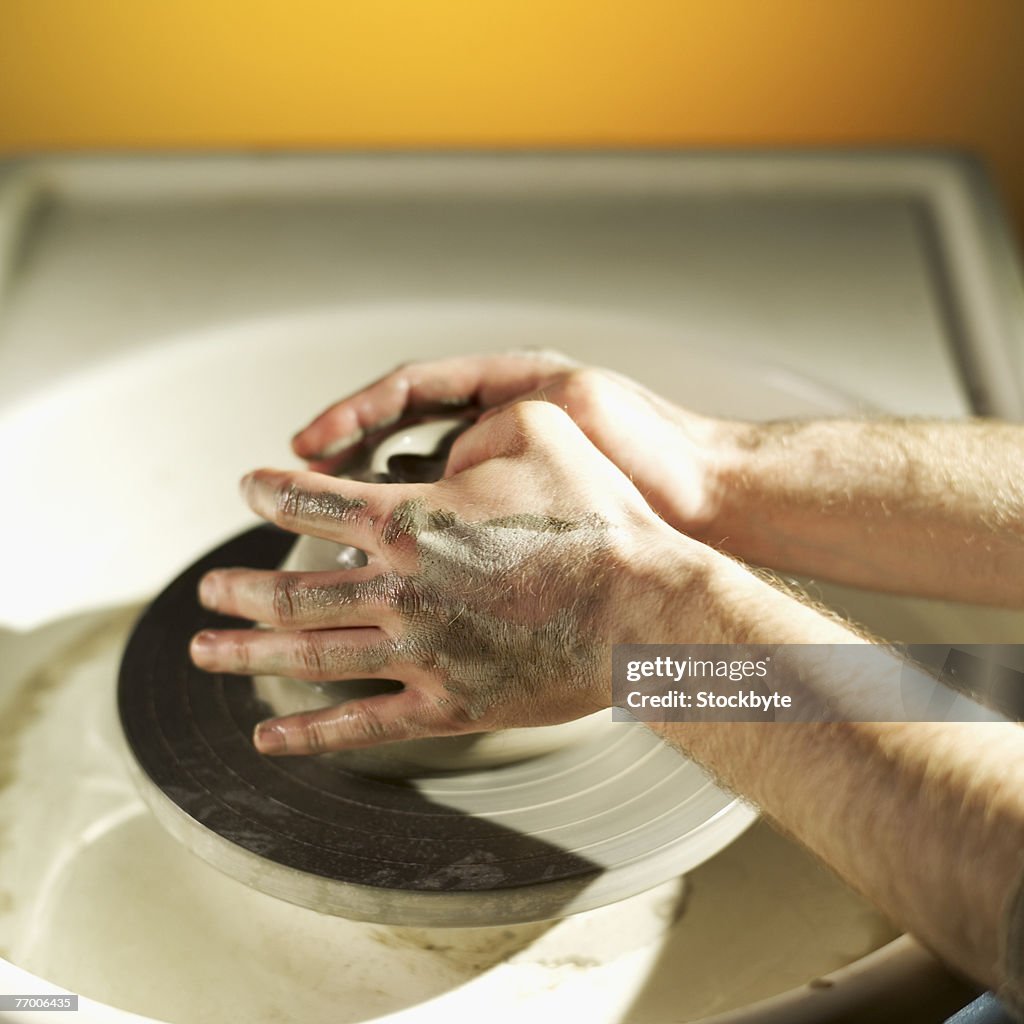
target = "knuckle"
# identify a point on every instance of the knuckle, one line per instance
(521, 416)
(400, 380)
(367, 725)
(583, 388)
(241, 656)
(415, 601)
(284, 602)
(400, 526)
(317, 736)
(454, 716)
(290, 503)
(395, 591)
(311, 656)
(533, 420)
(384, 591)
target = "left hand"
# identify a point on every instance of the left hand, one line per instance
(493, 595)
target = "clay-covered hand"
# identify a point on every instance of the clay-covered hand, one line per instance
(674, 457)
(493, 595)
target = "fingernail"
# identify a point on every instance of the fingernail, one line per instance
(270, 739)
(209, 591)
(202, 645)
(243, 484)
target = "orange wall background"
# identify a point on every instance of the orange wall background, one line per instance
(197, 74)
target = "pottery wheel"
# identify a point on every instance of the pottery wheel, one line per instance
(583, 826)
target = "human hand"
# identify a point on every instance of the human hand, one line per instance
(675, 458)
(493, 595)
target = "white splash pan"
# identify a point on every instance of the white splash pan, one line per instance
(121, 476)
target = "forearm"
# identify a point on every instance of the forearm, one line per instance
(926, 819)
(929, 834)
(935, 509)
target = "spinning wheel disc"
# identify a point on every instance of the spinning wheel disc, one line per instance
(586, 825)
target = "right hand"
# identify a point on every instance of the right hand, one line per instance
(673, 457)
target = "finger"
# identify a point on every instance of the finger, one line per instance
(340, 510)
(401, 466)
(606, 407)
(550, 392)
(586, 394)
(316, 655)
(359, 723)
(304, 600)
(519, 427)
(419, 388)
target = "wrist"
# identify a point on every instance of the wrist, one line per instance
(725, 471)
(740, 501)
(678, 590)
(664, 587)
